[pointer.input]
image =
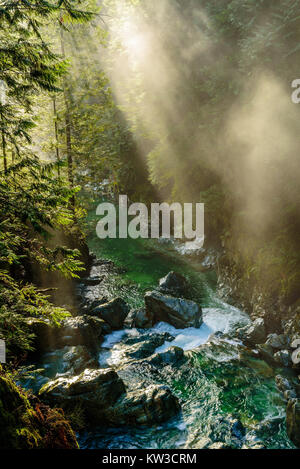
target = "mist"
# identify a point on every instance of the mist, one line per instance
(212, 115)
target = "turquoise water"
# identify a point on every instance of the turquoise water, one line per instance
(144, 262)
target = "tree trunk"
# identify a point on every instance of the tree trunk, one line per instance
(3, 145)
(68, 128)
(56, 136)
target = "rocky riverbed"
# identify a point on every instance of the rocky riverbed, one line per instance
(171, 373)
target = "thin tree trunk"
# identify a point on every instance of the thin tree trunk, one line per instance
(68, 128)
(4, 145)
(56, 136)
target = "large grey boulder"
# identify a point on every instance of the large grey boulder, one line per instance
(73, 331)
(253, 334)
(178, 312)
(83, 330)
(94, 390)
(139, 318)
(147, 347)
(76, 359)
(293, 421)
(114, 312)
(102, 396)
(173, 284)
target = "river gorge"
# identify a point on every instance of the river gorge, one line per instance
(226, 393)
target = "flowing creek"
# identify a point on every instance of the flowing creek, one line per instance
(222, 381)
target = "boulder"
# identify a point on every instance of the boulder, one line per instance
(147, 347)
(113, 313)
(95, 303)
(94, 390)
(76, 359)
(139, 318)
(253, 334)
(172, 357)
(178, 312)
(83, 330)
(293, 421)
(102, 396)
(173, 284)
(91, 281)
(277, 342)
(149, 406)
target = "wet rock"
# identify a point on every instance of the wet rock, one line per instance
(139, 318)
(254, 446)
(277, 342)
(83, 330)
(77, 359)
(173, 284)
(95, 303)
(269, 426)
(80, 330)
(293, 421)
(95, 390)
(237, 429)
(252, 441)
(174, 356)
(113, 313)
(229, 430)
(147, 347)
(178, 312)
(153, 405)
(91, 281)
(283, 358)
(253, 334)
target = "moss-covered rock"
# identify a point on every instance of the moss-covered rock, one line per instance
(26, 423)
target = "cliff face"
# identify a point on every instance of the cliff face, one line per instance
(26, 423)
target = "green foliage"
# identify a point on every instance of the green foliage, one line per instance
(18, 303)
(30, 425)
(34, 198)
